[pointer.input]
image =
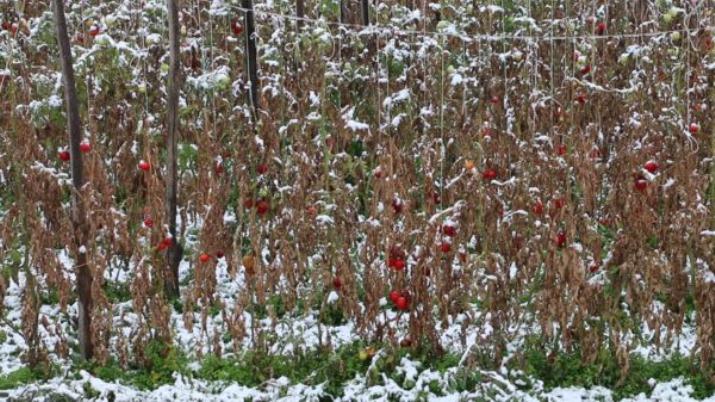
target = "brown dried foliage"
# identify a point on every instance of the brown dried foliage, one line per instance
(629, 257)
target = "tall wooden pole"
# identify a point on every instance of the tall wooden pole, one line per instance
(79, 224)
(251, 52)
(365, 12)
(300, 10)
(342, 15)
(171, 279)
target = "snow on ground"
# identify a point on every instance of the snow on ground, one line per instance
(185, 389)
(418, 382)
(457, 336)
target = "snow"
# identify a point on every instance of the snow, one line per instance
(212, 80)
(491, 8)
(461, 334)
(54, 101)
(353, 124)
(398, 97)
(708, 277)
(413, 379)
(325, 219)
(333, 297)
(219, 8)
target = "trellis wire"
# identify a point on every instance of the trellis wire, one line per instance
(378, 30)
(372, 29)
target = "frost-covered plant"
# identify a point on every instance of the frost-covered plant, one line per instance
(453, 168)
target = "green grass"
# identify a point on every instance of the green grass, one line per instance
(334, 368)
(567, 369)
(51, 297)
(117, 292)
(23, 375)
(161, 363)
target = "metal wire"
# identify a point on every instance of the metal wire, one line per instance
(375, 28)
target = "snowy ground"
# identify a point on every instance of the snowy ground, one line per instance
(418, 382)
(304, 331)
(498, 388)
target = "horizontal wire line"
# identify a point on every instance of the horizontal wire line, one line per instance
(372, 29)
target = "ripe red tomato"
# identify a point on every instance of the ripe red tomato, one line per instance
(489, 174)
(651, 166)
(641, 184)
(694, 128)
(94, 30)
(600, 28)
(262, 207)
(398, 264)
(397, 205)
(561, 150)
(449, 230)
(559, 203)
(164, 244)
(394, 295)
(218, 168)
(237, 28)
(560, 238)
